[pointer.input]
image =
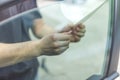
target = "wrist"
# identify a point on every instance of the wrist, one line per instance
(38, 47)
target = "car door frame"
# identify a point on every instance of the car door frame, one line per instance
(110, 71)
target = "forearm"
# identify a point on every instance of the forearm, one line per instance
(14, 53)
(41, 29)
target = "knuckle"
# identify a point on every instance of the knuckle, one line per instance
(52, 37)
(68, 43)
(82, 26)
(55, 45)
(77, 39)
(56, 51)
(81, 34)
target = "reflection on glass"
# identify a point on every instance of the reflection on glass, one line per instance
(83, 59)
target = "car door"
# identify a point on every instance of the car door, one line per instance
(96, 56)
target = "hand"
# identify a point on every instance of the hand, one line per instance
(55, 44)
(76, 31)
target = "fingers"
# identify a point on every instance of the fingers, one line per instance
(75, 39)
(80, 28)
(61, 44)
(55, 44)
(57, 51)
(79, 34)
(77, 29)
(80, 25)
(61, 50)
(61, 37)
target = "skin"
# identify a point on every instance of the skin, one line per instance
(76, 31)
(51, 43)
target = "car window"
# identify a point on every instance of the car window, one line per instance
(87, 58)
(84, 59)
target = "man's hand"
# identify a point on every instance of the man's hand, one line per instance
(76, 31)
(54, 44)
